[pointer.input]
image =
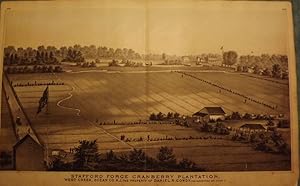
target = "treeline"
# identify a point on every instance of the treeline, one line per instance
(248, 116)
(76, 53)
(33, 69)
(275, 66)
(161, 116)
(264, 60)
(276, 71)
(87, 158)
(263, 141)
(29, 56)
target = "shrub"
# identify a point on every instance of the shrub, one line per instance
(166, 156)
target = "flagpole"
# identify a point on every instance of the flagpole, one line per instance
(47, 150)
(47, 107)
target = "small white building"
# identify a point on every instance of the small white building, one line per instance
(210, 113)
(252, 128)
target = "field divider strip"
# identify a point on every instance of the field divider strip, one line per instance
(106, 132)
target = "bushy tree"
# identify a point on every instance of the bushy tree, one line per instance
(256, 69)
(170, 115)
(86, 155)
(176, 115)
(284, 75)
(247, 116)
(110, 156)
(137, 156)
(266, 72)
(152, 116)
(166, 156)
(276, 71)
(235, 116)
(187, 164)
(160, 116)
(230, 58)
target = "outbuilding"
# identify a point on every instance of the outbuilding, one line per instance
(252, 128)
(210, 113)
(28, 155)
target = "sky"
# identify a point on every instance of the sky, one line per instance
(172, 28)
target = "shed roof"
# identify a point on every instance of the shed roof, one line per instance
(27, 137)
(211, 110)
(200, 114)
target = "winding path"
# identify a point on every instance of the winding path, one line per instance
(91, 123)
(67, 98)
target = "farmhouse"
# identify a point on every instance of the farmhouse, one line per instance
(210, 113)
(185, 59)
(28, 154)
(252, 128)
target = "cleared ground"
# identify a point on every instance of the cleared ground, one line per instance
(88, 97)
(133, 96)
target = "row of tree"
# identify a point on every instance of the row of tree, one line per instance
(275, 72)
(71, 53)
(161, 116)
(87, 158)
(264, 141)
(39, 58)
(34, 69)
(264, 61)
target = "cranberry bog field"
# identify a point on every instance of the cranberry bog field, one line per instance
(121, 100)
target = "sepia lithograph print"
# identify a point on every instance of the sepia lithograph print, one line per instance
(148, 87)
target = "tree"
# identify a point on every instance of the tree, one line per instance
(245, 69)
(86, 155)
(284, 75)
(163, 56)
(256, 69)
(166, 156)
(235, 116)
(230, 58)
(170, 115)
(247, 116)
(176, 115)
(239, 68)
(50, 69)
(152, 116)
(118, 53)
(276, 71)
(266, 72)
(58, 69)
(270, 123)
(58, 164)
(41, 48)
(160, 116)
(137, 156)
(110, 156)
(187, 164)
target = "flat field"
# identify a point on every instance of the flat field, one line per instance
(89, 98)
(131, 96)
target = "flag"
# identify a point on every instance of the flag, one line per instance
(43, 100)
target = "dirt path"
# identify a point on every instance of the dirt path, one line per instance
(67, 98)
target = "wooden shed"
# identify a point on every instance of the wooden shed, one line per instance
(28, 155)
